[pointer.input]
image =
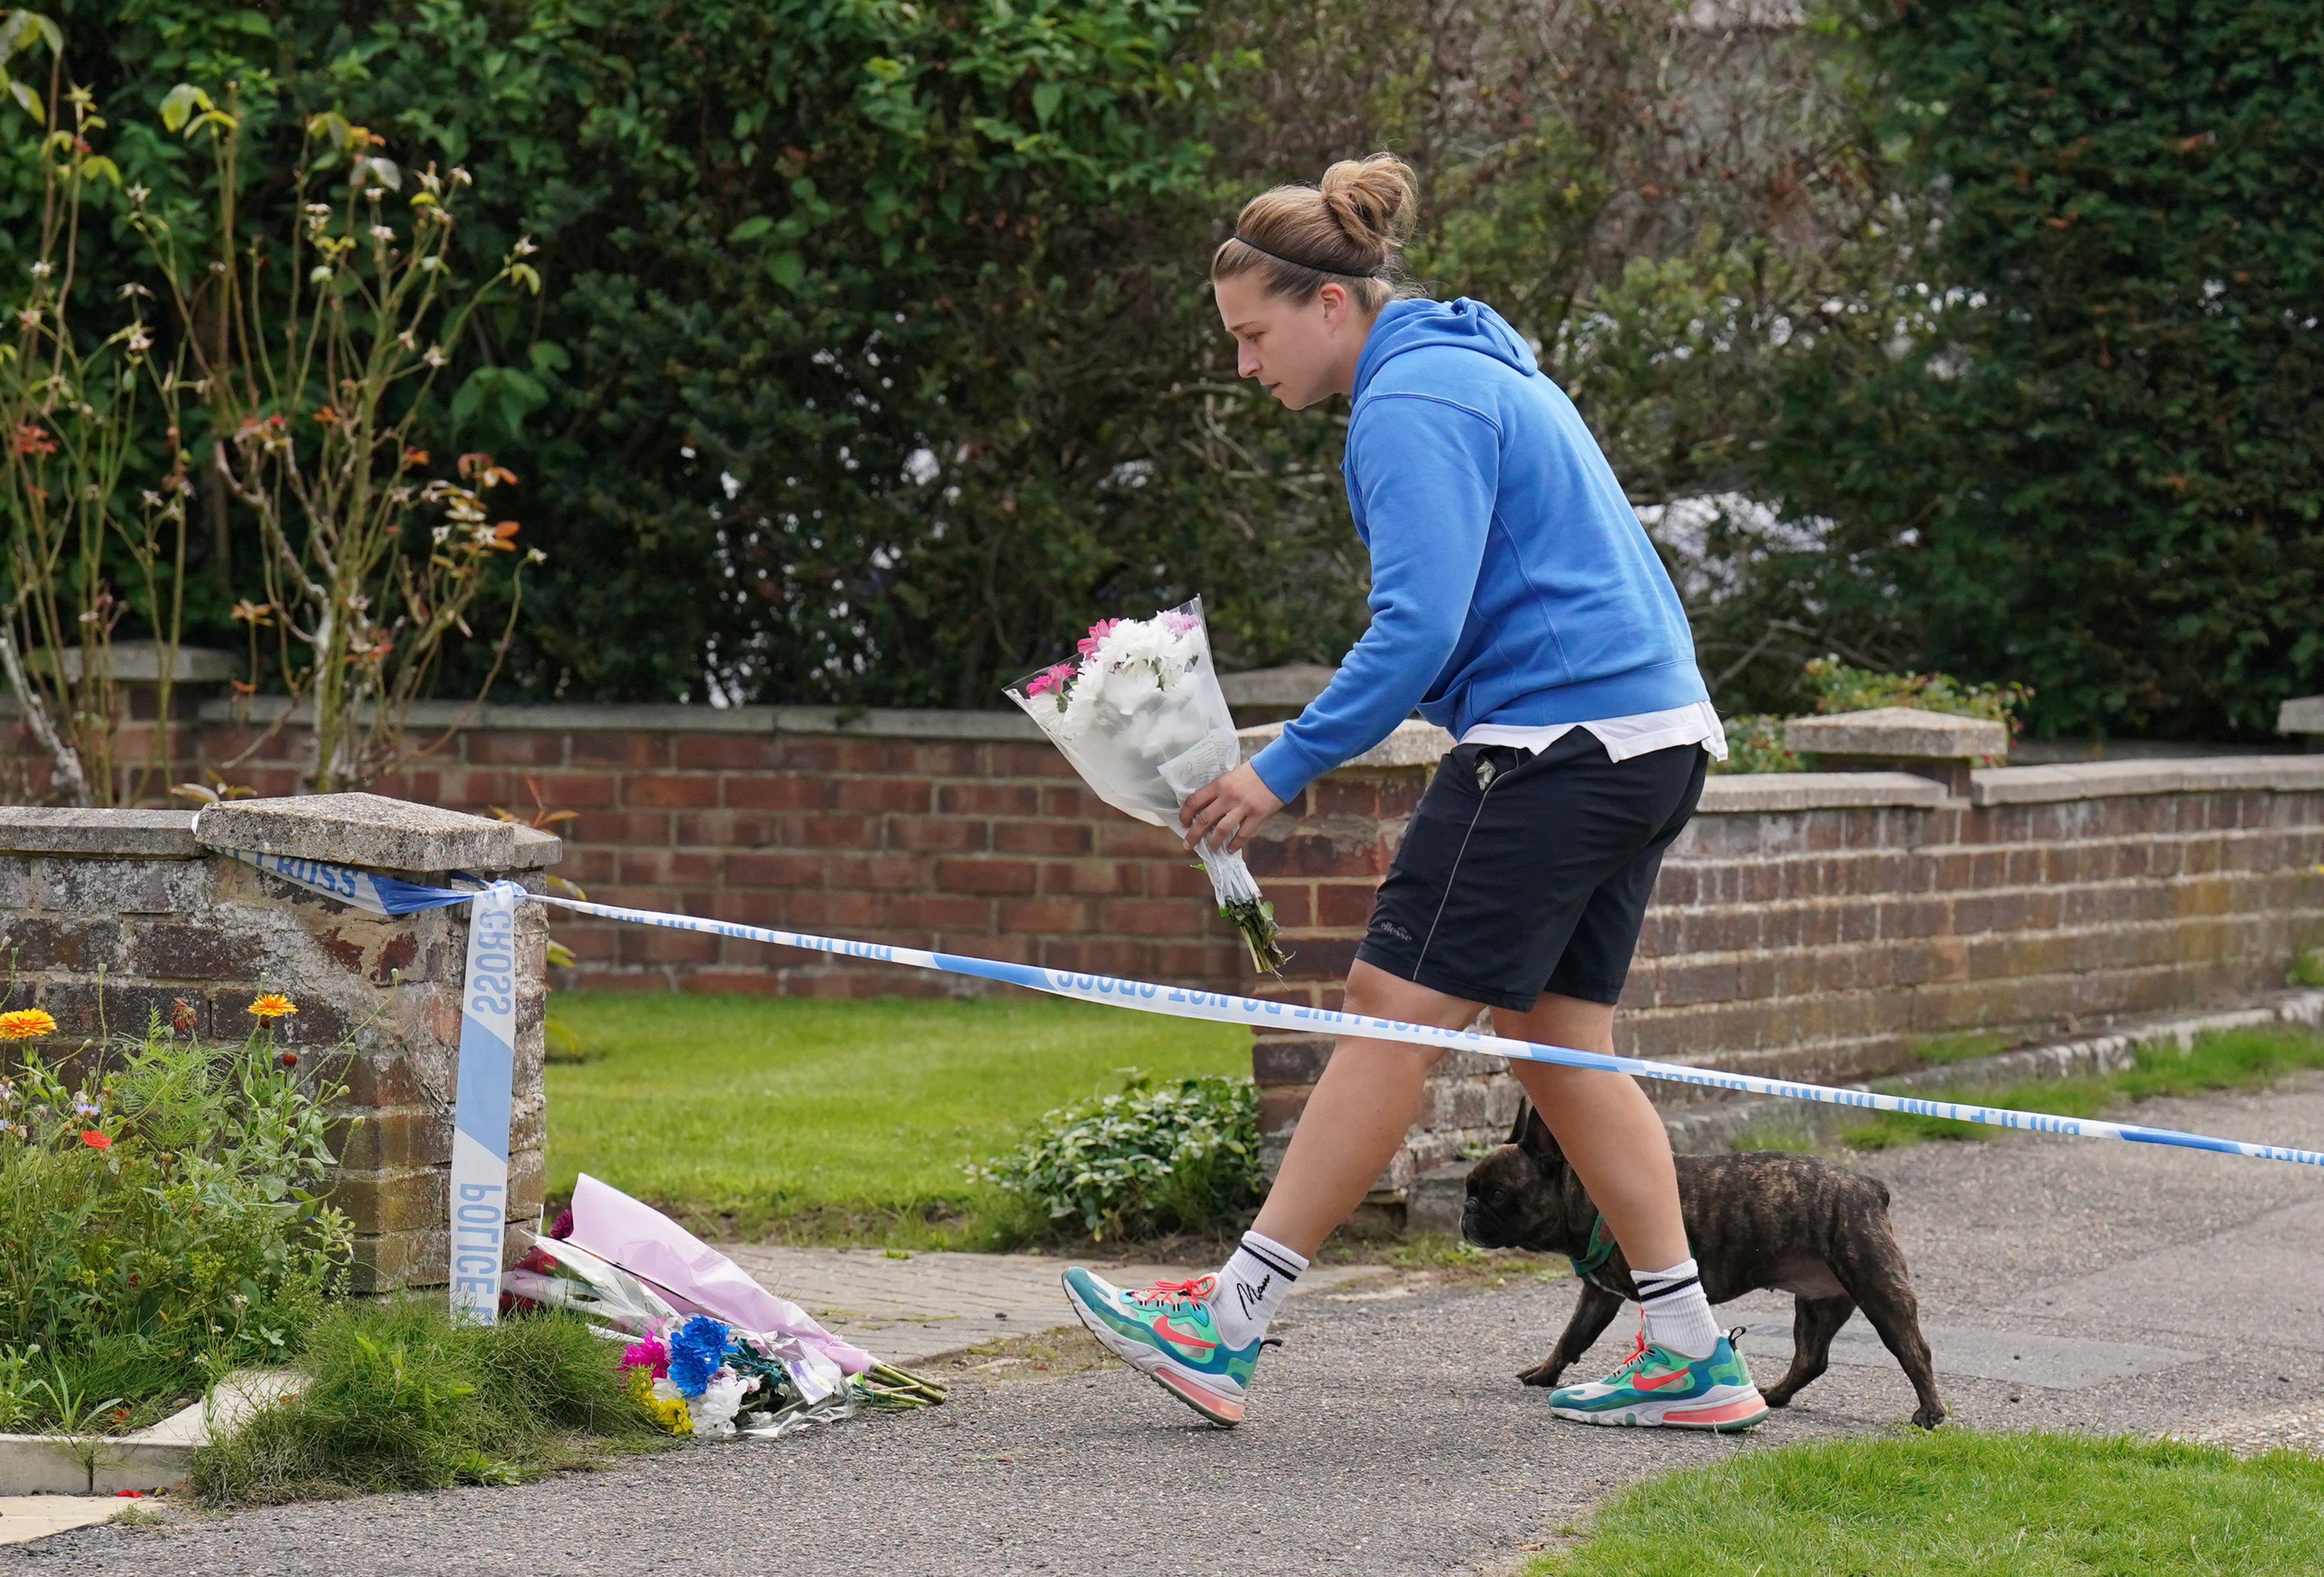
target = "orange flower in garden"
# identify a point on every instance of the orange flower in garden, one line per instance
(96, 1140)
(25, 1023)
(273, 1005)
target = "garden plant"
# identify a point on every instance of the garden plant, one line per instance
(162, 1216)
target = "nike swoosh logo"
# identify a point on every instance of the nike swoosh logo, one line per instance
(1164, 1328)
(1670, 1376)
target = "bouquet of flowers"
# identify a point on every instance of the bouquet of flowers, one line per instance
(709, 1339)
(700, 1376)
(1141, 717)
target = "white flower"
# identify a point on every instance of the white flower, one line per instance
(524, 246)
(320, 210)
(140, 341)
(435, 356)
(431, 262)
(29, 318)
(382, 233)
(714, 1410)
(43, 269)
(132, 289)
(461, 177)
(138, 194)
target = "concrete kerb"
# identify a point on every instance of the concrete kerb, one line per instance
(144, 1461)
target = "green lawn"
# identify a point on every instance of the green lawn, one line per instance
(836, 1121)
(2231, 1059)
(1962, 1504)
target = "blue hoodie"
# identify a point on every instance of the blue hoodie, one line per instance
(1511, 581)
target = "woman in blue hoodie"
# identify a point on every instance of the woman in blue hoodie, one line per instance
(1517, 602)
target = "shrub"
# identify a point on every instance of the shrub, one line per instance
(1755, 741)
(2080, 449)
(1841, 688)
(397, 1397)
(159, 1220)
(1176, 1157)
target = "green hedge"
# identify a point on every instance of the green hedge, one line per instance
(2088, 458)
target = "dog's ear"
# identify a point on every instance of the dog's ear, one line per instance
(1532, 1136)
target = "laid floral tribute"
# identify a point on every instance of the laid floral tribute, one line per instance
(1141, 716)
(710, 1352)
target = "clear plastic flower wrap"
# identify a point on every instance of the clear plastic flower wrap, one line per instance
(559, 1275)
(1141, 716)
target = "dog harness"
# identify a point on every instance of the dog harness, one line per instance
(1601, 1249)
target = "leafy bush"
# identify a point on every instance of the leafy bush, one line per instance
(1755, 741)
(1176, 1157)
(160, 1221)
(396, 1397)
(873, 355)
(1841, 688)
(2080, 448)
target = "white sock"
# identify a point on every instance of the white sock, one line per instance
(1251, 1286)
(1678, 1316)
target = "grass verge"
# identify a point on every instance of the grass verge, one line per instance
(837, 1121)
(1963, 1504)
(2233, 1060)
(397, 1397)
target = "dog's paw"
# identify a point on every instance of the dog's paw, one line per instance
(1929, 1417)
(1541, 1374)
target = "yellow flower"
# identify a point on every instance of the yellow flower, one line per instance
(25, 1023)
(273, 1005)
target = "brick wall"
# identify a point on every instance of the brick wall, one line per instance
(906, 828)
(1825, 927)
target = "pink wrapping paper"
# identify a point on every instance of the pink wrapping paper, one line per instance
(695, 1277)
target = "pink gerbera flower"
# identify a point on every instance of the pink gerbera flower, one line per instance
(1098, 632)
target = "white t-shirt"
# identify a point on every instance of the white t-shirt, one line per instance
(1623, 737)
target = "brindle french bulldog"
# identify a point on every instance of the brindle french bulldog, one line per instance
(1767, 1218)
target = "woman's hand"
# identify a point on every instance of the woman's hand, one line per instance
(1224, 812)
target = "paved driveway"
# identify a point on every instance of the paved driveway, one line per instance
(2066, 1283)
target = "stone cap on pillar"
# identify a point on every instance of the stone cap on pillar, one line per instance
(51, 829)
(1933, 744)
(2302, 714)
(373, 830)
(1411, 743)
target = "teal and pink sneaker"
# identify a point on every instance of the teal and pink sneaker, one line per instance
(1165, 1332)
(1658, 1389)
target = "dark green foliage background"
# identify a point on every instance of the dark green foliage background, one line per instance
(875, 356)
(2093, 460)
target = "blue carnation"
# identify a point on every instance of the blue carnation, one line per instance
(697, 1351)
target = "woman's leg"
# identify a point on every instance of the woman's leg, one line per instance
(1607, 1129)
(1361, 1109)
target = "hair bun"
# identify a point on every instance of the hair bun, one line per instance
(1372, 201)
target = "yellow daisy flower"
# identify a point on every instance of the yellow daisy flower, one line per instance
(273, 1005)
(25, 1023)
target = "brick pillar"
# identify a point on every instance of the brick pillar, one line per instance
(1319, 863)
(114, 916)
(390, 989)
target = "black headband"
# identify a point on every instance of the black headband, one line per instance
(1351, 274)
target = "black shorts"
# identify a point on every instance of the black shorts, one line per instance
(1536, 880)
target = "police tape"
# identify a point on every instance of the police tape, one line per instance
(487, 1038)
(1224, 1008)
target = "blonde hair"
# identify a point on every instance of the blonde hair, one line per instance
(1349, 227)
